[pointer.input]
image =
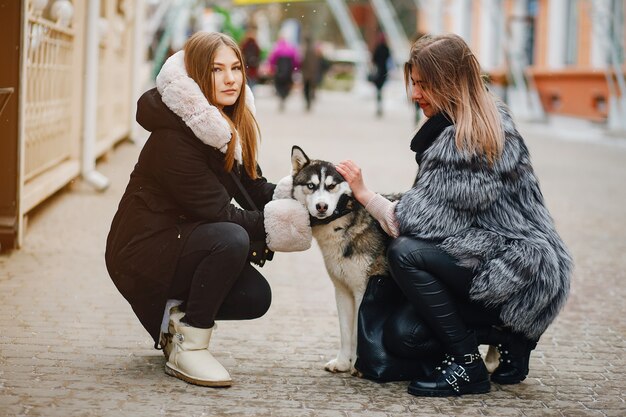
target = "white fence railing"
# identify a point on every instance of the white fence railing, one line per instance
(52, 99)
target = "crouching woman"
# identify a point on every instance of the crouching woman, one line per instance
(474, 228)
(176, 235)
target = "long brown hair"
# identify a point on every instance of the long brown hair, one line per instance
(451, 78)
(200, 50)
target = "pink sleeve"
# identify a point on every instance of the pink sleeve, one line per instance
(384, 211)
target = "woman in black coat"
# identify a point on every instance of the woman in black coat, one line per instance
(473, 229)
(176, 235)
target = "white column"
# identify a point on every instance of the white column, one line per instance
(489, 39)
(516, 43)
(92, 49)
(462, 19)
(138, 62)
(436, 16)
(522, 99)
(519, 33)
(604, 57)
(557, 15)
(352, 36)
(599, 33)
(434, 10)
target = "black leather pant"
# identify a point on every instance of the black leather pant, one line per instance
(215, 280)
(437, 289)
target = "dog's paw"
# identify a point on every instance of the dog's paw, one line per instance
(492, 359)
(337, 365)
(355, 372)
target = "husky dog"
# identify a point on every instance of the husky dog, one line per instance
(353, 246)
(352, 243)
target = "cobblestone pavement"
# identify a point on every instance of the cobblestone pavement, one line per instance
(71, 346)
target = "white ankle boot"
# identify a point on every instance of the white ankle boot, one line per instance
(189, 358)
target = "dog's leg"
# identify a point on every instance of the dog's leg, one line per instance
(492, 359)
(345, 311)
(358, 297)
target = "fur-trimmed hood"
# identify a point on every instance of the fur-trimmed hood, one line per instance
(182, 95)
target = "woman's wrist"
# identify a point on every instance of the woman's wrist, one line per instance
(364, 196)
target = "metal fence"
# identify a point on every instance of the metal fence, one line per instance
(52, 81)
(47, 108)
(114, 80)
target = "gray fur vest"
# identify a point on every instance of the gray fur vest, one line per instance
(494, 220)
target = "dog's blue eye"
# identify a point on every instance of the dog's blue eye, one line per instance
(310, 186)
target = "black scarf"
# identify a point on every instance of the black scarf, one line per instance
(428, 133)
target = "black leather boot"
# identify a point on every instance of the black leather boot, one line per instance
(490, 335)
(514, 359)
(458, 374)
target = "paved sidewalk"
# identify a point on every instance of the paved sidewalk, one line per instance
(71, 346)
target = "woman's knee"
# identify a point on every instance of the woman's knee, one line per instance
(250, 297)
(234, 235)
(255, 293)
(229, 239)
(262, 300)
(403, 253)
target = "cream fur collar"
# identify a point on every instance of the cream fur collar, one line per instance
(182, 95)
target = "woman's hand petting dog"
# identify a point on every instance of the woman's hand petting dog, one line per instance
(354, 177)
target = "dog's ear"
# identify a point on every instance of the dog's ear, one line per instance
(298, 159)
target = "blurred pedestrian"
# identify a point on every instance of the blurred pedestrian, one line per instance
(251, 56)
(474, 227)
(380, 62)
(311, 69)
(284, 60)
(178, 250)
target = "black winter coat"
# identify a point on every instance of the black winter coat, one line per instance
(178, 183)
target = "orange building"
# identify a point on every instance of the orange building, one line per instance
(564, 56)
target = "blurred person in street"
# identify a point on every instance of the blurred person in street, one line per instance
(311, 68)
(251, 56)
(178, 250)
(284, 61)
(472, 231)
(380, 62)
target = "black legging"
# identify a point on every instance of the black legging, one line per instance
(215, 280)
(434, 284)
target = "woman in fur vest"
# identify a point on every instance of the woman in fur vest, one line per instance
(176, 235)
(474, 228)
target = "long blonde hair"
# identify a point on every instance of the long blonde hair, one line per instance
(200, 50)
(451, 78)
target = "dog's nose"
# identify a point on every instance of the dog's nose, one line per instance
(321, 207)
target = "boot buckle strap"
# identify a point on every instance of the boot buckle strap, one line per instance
(453, 378)
(453, 382)
(471, 357)
(460, 372)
